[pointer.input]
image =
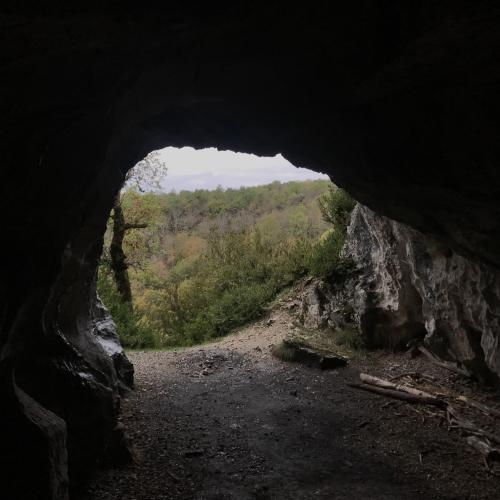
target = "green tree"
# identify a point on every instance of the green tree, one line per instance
(209, 261)
(327, 261)
(336, 206)
(145, 174)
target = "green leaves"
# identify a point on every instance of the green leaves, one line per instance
(326, 260)
(336, 206)
(210, 261)
(238, 275)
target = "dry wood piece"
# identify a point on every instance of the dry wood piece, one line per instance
(485, 448)
(492, 412)
(414, 375)
(455, 420)
(445, 364)
(479, 439)
(403, 396)
(386, 384)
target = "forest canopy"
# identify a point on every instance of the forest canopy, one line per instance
(206, 262)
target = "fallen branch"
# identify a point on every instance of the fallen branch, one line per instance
(386, 384)
(402, 396)
(492, 412)
(414, 375)
(479, 439)
(444, 364)
(455, 420)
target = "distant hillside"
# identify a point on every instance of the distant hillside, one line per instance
(208, 261)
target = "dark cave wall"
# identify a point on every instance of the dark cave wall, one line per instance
(62, 354)
(397, 101)
(384, 97)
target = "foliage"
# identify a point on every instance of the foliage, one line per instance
(350, 339)
(146, 174)
(210, 261)
(132, 333)
(284, 351)
(336, 206)
(227, 286)
(327, 260)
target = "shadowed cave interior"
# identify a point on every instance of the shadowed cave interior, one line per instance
(398, 103)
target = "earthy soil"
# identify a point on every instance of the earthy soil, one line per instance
(229, 421)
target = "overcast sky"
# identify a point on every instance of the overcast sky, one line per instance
(190, 169)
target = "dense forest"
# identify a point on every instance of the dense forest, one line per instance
(202, 263)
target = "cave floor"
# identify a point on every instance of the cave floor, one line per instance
(229, 421)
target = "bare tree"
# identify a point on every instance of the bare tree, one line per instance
(146, 174)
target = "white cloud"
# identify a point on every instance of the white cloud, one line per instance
(189, 169)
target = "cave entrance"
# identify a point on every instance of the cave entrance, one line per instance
(215, 241)
(199, 242)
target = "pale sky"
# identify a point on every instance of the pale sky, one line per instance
(189, 169)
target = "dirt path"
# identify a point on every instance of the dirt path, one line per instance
(228, 421)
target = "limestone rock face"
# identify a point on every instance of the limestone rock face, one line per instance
(387, 306)
(107, 336)
(325, 305)
(409, 286)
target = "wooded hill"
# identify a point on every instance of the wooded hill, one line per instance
(209, 261)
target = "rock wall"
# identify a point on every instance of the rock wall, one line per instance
(64, 369)
(410, 286)
(61, 416)
(325, 305)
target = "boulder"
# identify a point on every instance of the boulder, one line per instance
(325, 305)
(107, 336)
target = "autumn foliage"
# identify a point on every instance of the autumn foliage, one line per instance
(210, 261)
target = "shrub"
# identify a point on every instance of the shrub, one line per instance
(336, 206)
(326, 259)
(284, 351)
(350, 338)
(238, 275)
(132, 334)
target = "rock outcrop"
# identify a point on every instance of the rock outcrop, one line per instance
(406, 285)
(410, 286)
(325, 305)
(65, 374)
(107, 336)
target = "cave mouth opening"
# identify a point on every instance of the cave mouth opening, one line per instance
(200, 240)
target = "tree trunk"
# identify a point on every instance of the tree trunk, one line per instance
(118, 259)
